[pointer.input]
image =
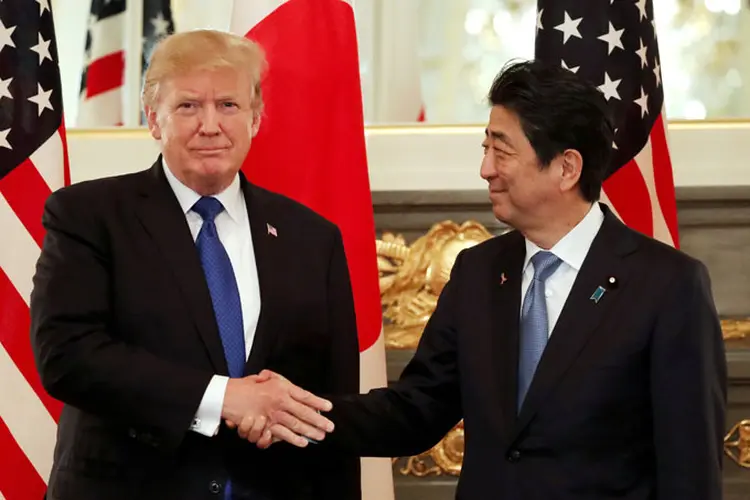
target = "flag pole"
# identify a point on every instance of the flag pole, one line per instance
(133, 47)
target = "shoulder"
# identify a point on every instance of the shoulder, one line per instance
(490, 248)
(97, 193)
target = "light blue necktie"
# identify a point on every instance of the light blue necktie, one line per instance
(225, 295)
(534, 322)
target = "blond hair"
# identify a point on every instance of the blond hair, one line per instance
(198, 50)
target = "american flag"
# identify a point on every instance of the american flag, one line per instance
(101, 100)
(33, 163)
(613, 44)
(157, 23)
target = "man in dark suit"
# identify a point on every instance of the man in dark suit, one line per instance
(586, 359)
(159, 295)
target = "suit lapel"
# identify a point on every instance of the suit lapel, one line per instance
(161, 216)
(581, 315)
(267, 243)
(505, 293)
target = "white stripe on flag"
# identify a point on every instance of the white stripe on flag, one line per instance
(17, 259)
(645, 161)
(244, 18)
(48, 160)
(107, 36)
(104, 109)
(28, 420)
(1, 496)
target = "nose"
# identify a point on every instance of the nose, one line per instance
(210, 119)
(486, 170)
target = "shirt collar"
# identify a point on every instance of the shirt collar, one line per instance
(574, 246)
(231, 198)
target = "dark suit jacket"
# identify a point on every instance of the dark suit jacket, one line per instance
(124, 334)
(628, 400)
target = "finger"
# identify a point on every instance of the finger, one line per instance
(284, 434)
(307, 415)
(265, 440)
(245, 426)
(310, 399)
(230, 424)
(298, 427)
(257, 429)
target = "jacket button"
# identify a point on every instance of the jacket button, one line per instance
(514, 456)
(132, 433)
(214, 487)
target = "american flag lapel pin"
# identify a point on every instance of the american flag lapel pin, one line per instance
(271, 230)
(503, 279)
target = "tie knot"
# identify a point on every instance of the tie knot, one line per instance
(545, 263)
(208, 208)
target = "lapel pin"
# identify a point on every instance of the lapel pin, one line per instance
(597, 295)
(503, 279)
(271, 230)
(612, 282)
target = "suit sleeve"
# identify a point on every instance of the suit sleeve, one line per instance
(421, 407)
(340, 473)
(81, 360)
(688, 391)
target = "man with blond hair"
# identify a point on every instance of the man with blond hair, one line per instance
(160, 295)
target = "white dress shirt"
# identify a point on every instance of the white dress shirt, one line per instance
(233, 227)
(572, 250)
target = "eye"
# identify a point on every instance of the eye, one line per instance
(229, 104)
(186, 105)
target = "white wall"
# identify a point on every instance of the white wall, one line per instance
(439, 158)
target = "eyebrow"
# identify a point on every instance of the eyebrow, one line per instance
(498, 136)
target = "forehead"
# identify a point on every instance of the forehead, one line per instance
(209, 83)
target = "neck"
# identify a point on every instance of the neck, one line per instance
(553, 229)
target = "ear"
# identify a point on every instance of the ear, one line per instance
(572, 165)
(255, 125)
(153, 124)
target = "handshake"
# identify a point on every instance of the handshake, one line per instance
(267, 408)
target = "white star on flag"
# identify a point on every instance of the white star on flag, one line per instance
(41, 99)
(641, 4)
(613, 38)
(642, 54)
(42, 48)
(657, 72)
(43, 5)
(569, 27)
(4, 92)
(643, 103)
(609, 87)
(160, 25)
(4, 139)
(573, 69)
(5, 34)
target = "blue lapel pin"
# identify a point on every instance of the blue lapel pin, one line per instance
(597, 295)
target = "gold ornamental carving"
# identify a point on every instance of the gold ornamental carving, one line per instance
(412, 276)
(737, 444)
(411, 279)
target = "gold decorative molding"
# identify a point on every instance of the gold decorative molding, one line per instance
(737, 444)
(411, 279)
(412, 276)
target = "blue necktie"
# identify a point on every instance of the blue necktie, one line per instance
(534, 322)
(222, 285)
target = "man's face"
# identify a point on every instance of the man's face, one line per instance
(520, 189)
(205, 124)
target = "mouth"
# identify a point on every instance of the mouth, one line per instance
(209, 151)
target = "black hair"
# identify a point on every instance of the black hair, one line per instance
(559, 110)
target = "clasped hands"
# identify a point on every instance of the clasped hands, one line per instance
(267, 408)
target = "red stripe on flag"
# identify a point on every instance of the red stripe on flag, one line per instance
(663, 177)
(26, 191)
(18, 478)
(66, 160)
(628, 193)
(14, 335)
(313, 85)
(105, 73)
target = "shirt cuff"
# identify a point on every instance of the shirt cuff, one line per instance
(208, 416)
